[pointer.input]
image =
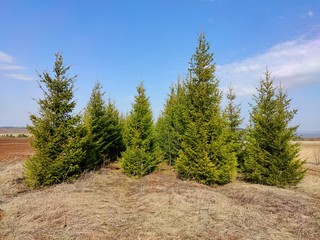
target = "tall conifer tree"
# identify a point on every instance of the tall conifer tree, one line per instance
(272, 157)
(205, 156)
(232, 114)
(139, 158)
(115, 132)
(95, 123)
(103, 130)
(169, 127)
(55, 138)
(233, 111)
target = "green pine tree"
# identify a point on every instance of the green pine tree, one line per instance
(55, 138)
(272, 158)
(115, 132)
(206, 155)
(140, 157)
(103, 130)
(232, 113)
(169, 127)
(95, 124)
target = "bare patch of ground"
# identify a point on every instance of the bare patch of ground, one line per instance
(109, 205)
(14, 149)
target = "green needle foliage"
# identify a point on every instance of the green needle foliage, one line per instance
(206, 154)
(271, 156)
(232, 111)
(232, 114)
(103, 130)
(55, 138)
(115, 133)
(170, 127)
(140, 157)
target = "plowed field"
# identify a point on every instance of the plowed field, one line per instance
(14, 149)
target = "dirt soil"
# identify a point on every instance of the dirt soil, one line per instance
(14, 149)
(106, 204)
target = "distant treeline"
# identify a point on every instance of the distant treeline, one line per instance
(13, 130)
(309, 135)
(20, 135)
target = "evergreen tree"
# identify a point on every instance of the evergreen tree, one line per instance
(140, 157)
(232, 111)
(232, 115)
(271, 156)
(103, 130)
(169, 127)
(55, 138)
(115, 132)
(205, 156)
(95, 120)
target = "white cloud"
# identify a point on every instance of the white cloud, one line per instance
(8, 68)
(23, 77)
(5, 58)
(310, 14)
(294, 63)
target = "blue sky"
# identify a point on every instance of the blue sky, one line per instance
(121, 43)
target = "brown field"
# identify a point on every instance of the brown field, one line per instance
(108, 205)
(14, 149)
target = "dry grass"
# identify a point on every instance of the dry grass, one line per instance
(310, 150)
(108, 205)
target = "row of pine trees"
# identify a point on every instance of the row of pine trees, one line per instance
(194, 134)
